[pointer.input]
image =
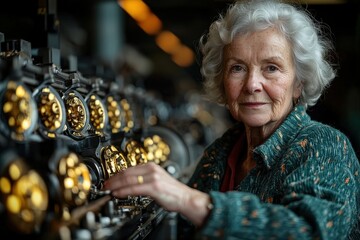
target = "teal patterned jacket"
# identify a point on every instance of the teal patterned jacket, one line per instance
(306, 185)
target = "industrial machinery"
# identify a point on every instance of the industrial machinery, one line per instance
(64, 134)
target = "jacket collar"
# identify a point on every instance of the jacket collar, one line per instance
(272, 149)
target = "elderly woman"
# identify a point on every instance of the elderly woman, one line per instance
(276, 174)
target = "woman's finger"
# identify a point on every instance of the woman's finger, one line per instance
(133, 185)
(142, 169)
(138, 175)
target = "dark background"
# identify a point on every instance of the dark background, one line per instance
(75, 31)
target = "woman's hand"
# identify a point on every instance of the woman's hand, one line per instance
(152, 180)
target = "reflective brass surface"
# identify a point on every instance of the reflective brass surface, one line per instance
(113, 109)
(136, 154)
(50, 112)
(157, 150)
(75, 180)
(17, 109)
(75, 112)
(126, 115)
(24, 195)
(97, 113)
(113, 161)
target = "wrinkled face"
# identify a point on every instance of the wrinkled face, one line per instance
(259, 78)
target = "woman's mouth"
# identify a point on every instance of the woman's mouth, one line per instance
(253, 104)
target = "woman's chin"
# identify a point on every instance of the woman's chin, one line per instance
(255, 122)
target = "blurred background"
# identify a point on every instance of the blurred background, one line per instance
(152, 44)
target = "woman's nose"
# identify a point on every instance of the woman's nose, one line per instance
(253, 82)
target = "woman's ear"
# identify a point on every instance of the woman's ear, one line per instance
(298, 87)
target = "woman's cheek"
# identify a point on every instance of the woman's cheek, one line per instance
(232, 89)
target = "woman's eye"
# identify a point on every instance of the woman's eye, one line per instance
(236, 68)
(272, 68)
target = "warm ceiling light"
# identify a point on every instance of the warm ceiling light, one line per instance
(168, 42)
(137, 9)
(183, 57)
(151, 25)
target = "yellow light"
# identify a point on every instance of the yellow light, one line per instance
(5, 185)
(68, 183)
(23, 185)
(25, 124)
(37, 197)
(14, 171)
(85, 174)
(82, 195)
(137, 9)
(167, 41)
(13, 204)
(75, 190)
(62, 166)
(156, 138)
(158, 153)
(20, 91)
(51, 96)
(8, 106)
(183, 57)
(151, 25)
(70, 161)
(150, 156)
(71, 172)
(11, 121)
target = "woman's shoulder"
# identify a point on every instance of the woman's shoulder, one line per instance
(319, 130)
(323, 137)
(312, 130)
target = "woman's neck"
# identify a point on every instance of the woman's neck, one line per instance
(254, 137)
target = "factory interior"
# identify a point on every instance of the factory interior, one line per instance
(126, 74)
